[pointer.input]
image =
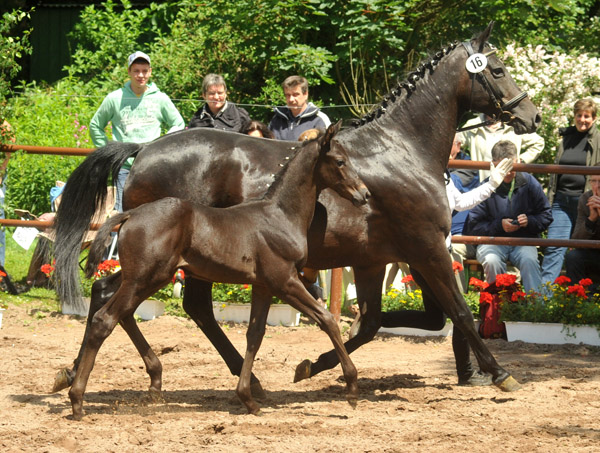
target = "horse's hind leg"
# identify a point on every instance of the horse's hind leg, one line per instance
(153, 365)
(102, 291)
(103, 323)
(368, 286)
(261, 300)
(197, 303)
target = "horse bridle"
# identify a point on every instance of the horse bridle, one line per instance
(504, 109)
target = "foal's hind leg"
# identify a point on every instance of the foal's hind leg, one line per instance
(368, 287)
(123, 303)
(197, 303)
(261, 300)
(102, 291)
(298, 297)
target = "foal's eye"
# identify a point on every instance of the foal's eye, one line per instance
(340, 163)
(497, 72)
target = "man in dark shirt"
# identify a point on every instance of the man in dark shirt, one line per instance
(217, 112)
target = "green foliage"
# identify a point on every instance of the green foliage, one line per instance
(107, 34)
(395, 300)
(13, 47)
(47, 116)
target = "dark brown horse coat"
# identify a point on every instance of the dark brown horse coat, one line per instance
(400, 150)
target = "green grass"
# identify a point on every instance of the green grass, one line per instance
(17, 265)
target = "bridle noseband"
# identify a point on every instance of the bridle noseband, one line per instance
(503, 109)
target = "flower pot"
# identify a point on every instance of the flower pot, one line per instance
(279, 314)
(551, 333)
(446, 331)
(149, 309)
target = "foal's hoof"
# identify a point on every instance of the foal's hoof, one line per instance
(61, 381)
(509, 384)
(353, 402)
(302, 371)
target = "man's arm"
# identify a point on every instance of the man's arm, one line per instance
(481, 223)
(171, 116)
(586, 228)
(539, 217)
(99, 122)
(531, 147)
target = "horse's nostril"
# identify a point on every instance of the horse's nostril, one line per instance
(538, 119)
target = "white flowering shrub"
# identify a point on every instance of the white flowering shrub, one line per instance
(554, 81)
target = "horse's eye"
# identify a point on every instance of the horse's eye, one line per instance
(340, 163)
(497, 72)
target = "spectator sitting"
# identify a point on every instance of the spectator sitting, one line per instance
(580, 146)
(217, 112)
(582, 263)
(257, 129)
(480, 141)
(299, 115)
(463, 180)
(519, 208)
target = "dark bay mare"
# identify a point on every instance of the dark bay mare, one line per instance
(262, 242)
(400, 150)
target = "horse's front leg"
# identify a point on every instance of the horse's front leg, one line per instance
(197, 303)
(102, 291)
(261, 300)
(298, 297)
(369, 282)
(438, 274)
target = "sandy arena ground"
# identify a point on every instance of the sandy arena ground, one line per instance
(408, 402)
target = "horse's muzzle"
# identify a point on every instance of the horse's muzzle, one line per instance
(361, 196)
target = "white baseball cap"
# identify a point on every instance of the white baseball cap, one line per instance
(135, 56)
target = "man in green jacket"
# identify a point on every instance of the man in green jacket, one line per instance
(136, 113)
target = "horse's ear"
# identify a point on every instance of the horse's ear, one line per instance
(483, 37)
(325, 139)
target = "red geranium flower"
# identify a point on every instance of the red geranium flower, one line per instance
(517, 295)
(561, 280)
(408, 279)
(2, 274)
(457, 267)
(47, 269)
(585, 282)
(485, 298)
(505, 279)
(577, 290)
(478, 284)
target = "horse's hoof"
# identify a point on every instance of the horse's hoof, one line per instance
(61, 381)
(257, 391)
(155, 395)
(353, 402)
(510, 384)
(302, 371)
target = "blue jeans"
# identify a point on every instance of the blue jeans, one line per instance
(493, 258)
(120, 184)
(564, 214)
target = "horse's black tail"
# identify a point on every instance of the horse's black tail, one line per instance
(101, 241)
(84, 192)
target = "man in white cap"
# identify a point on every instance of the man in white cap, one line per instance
(136, 112)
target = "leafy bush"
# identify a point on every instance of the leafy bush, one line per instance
(47, 116)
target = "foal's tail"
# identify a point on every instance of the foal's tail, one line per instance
(85, 191)
(101, 241)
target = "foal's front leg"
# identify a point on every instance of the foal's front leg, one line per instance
(298, 297)
(261, 300)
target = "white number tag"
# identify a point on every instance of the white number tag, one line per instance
(476, 63)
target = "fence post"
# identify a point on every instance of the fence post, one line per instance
(335, 297)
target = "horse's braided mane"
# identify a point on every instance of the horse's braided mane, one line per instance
(284, 166)
(408, 85)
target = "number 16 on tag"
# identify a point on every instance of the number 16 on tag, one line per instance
(476, 63)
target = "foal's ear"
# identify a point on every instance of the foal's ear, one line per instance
(325, 139)
(483, 37)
